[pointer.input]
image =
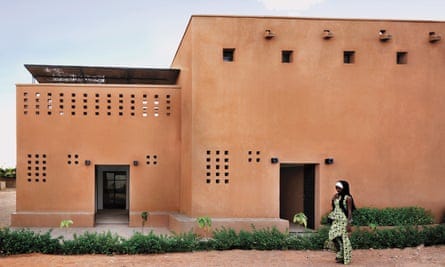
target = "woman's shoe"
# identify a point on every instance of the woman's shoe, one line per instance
(339, 260)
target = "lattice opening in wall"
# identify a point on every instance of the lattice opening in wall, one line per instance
(217, 167)
(73, 104)
(156, 106)
(151, 159)
(168, 105)
(61, 104)
(73, 159)
(121, 104)
(109, 105)
(85, 104)
(25, 103)
(132, 104)
(37, 103)
(49, 103)
(254, 156)
(36, 168)
(144, 105)
(97, 104)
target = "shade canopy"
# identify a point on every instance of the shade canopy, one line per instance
(101, 75)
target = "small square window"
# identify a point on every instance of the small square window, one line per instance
(349, 57)
(402, 57)
(228, 54)
(286, 56)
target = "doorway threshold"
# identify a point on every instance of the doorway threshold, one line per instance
(112, 216)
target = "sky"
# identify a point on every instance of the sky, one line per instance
(140, 33)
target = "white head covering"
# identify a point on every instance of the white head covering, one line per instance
(339, 185)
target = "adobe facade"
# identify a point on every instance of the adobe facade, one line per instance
(265, 115)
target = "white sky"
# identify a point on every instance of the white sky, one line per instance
(140, 33)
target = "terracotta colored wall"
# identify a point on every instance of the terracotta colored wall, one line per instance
(52, 148)
(380, 121)
(184, 63)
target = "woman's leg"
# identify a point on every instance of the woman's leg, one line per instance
(339, 248)
(347, 250)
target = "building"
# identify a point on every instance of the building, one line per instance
(255, 121)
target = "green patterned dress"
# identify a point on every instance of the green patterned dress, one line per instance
(338, 234)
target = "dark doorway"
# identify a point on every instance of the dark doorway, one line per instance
(297, 191)
(114, 189)
(112, 193)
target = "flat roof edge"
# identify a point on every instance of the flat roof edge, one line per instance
(320, 18)
(102, 75)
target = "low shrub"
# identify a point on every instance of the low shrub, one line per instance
(93, 243)
(184, 242)
(399, 237)
(403, 216)
(144, 244)
(392, 216)
(224, 239)
(26, 241)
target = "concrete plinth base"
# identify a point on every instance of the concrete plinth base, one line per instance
(180, 223)
(51, 219)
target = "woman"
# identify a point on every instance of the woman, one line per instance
(341, 217)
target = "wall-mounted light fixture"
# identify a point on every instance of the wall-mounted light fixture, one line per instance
(327, 34)
(87, 162)
(268, 34)
(274, 160)
(384, 36)
(434, 37)
(135, 163)
(328, 161)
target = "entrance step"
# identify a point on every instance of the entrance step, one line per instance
(112, 217)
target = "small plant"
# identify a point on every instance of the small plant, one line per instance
(144, 217)
(66, 223)
(373, 226)
(205, 223)
(301, 219)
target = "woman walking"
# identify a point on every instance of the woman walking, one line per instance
(341, 218)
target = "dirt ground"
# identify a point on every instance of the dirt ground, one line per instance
(419, 256)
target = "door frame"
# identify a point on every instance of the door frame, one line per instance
(98, 192)
(308, 173)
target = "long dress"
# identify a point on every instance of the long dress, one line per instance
(338, 233)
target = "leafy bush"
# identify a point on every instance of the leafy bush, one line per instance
(94, 243)
(184, 242)
(26, 241)
(268, 239)
(261, 239)
(389, 217)
(400, 237)
(224, 239)
(145, 244)
(392, 216)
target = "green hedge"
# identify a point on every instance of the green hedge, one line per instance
(399, 237)
(392, 216)
(26, 241)
(403, 216)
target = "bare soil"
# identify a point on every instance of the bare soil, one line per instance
(419, 256)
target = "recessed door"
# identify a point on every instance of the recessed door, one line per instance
(114, 189)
